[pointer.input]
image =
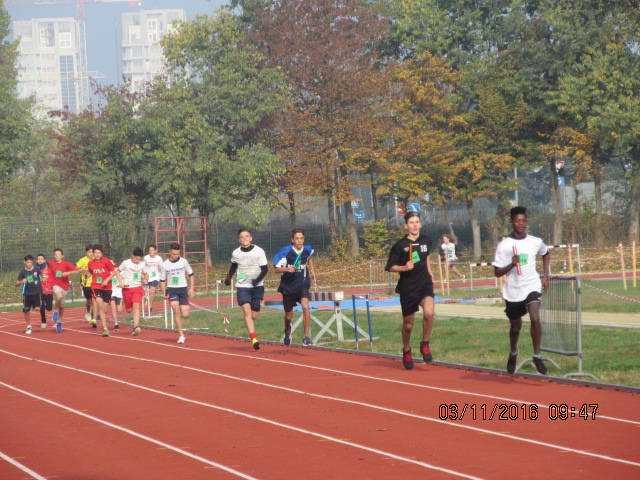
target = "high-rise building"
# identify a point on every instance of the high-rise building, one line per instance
(140, 56)
(51, 63)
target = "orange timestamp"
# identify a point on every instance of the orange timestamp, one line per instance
(516, 411)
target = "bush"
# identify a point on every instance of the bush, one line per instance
(377, 240)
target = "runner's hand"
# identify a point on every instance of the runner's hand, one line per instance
(227, 280)
(191, 293)
(545, 282)
(291, 269)
(409, 265)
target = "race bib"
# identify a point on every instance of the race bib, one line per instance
(154, 274)
(114, 281)
(242, 276)
(524, 258)
(59, 274)
(98, 279)
(415, 257)
(136, 276)
(30, 279)
(175, 280)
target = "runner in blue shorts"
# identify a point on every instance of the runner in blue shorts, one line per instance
(175, 271)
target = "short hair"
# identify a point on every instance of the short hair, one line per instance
(41, 255)
(174, 246)
(518, 211)
(408, 215)
(58, 250)
(153, 245)
(28, 257)
(88, 247)
(446, 236)
(98, 247)
(245, 230)
(137, 252)
(296, 230)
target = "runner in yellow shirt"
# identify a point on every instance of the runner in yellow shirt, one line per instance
(85, 281)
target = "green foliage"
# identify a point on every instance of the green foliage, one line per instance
(377, 239)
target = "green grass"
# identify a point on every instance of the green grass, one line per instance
(612, 354)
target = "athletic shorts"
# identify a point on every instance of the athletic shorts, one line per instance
(289, 301)
(410, 301)
(57, 289)
(517, 310)
(252, 295)
(88, 294)
(179, 294)
(30, 302)
(46, 301)
(105, 295)
(132, 295)
(116, 300)
(154, 283)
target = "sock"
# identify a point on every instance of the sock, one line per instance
(537, 355)
(252, 335)
(516, 352)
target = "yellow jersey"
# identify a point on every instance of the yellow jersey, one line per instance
(86, 279)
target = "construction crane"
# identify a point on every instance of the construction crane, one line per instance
(81, 10)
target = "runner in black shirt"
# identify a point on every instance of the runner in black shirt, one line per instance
(29, 280)
(410, 257)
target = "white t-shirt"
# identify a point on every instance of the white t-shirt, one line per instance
(116, 292)
(153, 267)
(249, 264)
(449, 251)
(518, 287)
(131, 273)
(175, 273)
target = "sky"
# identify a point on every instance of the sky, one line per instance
(101, 21)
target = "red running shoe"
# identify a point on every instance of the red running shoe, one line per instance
(407, 360)
(425, 351)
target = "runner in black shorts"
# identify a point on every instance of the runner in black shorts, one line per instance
(29, 280)
(410, 257)
(46, 297)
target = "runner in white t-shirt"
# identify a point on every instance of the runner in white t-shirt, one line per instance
(449, 255)
(133, 273)
(516, 259)
(250, 261)
(153, 268)
(173, 282)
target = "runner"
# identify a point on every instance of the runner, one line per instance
(153, 266)
(102, 270)
(175, 270)
(516, 258)
(46, 297)
(449, 255)
(29, 281)
(410, 257)
(85, 281)
(133, 276)
(292, 262)
(116, 302)
(251, 263)
(59, 271)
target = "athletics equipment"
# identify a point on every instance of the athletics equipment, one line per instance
(518, 269)
(355, 317)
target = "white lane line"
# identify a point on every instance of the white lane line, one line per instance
(130, 432)
(22, 467)
(252, 417)
(331, 398)
(354, 374)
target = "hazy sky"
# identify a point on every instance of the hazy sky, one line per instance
(101, 23)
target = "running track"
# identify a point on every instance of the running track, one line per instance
(79, 406)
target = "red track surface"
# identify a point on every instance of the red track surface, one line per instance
(79, 406)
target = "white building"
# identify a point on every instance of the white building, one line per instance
(140, 56)
(52, 63)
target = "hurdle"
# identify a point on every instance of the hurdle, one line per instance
(471, 267)
(569, 247)
(364, 297)
(168, 315)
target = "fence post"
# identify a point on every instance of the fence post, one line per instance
(624, 273)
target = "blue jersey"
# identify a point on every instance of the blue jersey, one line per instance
(292, 283)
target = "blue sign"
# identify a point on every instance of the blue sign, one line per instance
(413, 207)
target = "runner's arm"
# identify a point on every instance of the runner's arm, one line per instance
(232, 270)
(263, 273)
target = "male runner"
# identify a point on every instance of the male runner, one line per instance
(85, 281)
(102, 269)
(292, 262)
(251, 263)
(133, 276)
(59, 271)
(29, 281)
(46, 287)
(410, 257)
(173, 282)
(153, 266)
(516, 259)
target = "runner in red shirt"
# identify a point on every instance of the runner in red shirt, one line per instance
(102, 270)
(59, 271)
(46, 297)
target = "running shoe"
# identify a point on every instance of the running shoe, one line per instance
(116, 327)
(540, 366)
(105, 332)
(28, 330)
(87, 317)
(306, 341)
(181, 339)
(55, 316)
(136, 331)
(407, 360)
(425, 351)
(287, 339)
(59, 327)
(94, 323)
(43, 325)
(511, 363)
(255, 343)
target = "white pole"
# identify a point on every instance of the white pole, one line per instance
(165, 314)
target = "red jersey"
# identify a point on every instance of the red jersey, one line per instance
(45, 281)
(55, 273)
(100, 270)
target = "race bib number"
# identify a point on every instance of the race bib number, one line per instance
(114, 281)
(30, 279)
(136, 276)
(241, 276)
(59, 274)
(175, 280)
(524, 258)
(98, 279)
(154, 274)
(415, 257)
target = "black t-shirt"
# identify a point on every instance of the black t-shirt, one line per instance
(399, 255)
(32, 287)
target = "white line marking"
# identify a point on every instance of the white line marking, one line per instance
(130, 432)
(242, 414)
(325, 397)
(22, 467)
(353, 374)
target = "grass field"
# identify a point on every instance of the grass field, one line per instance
(612, 354)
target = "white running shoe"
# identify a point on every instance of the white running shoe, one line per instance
(28, 330)
(181, 339)
(43, 325)
(87, 317)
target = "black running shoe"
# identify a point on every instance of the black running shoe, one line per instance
(407, 360)
(511, 363)
(287, 339)
(255, 343)
(540, 366)
(116, 327)
(306, 341)
(425, 351)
